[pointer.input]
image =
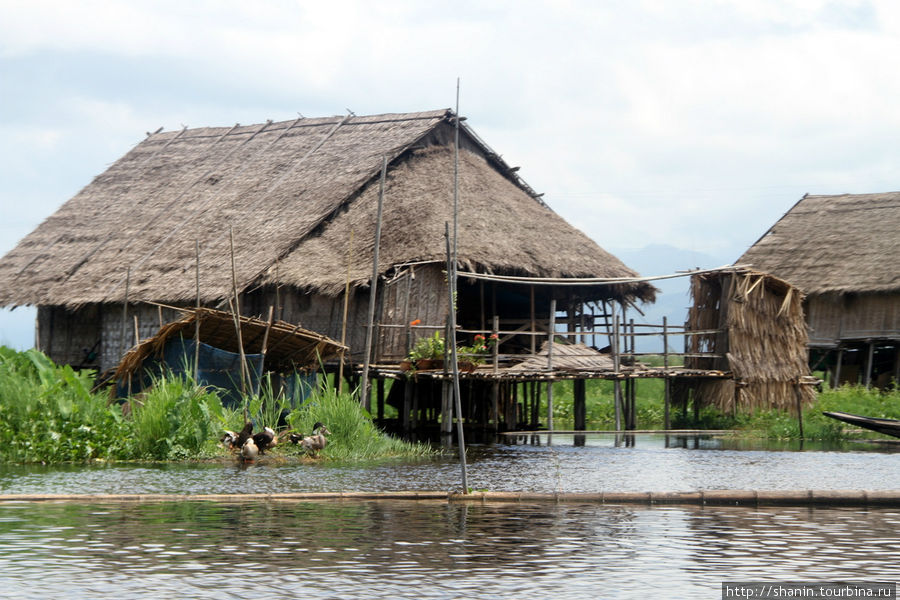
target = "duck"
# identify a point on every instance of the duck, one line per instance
(232, 440)
(265, 439)
(249, 450)
(315, 442)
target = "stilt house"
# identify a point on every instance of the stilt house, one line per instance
(843, 252)
(297, 201)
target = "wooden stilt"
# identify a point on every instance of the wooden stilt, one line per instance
(869, 359)
(667, 401)
(580, 405)
(380, 398)
(837, 369)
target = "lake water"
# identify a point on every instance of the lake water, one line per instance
(538, 463)
(435, 549)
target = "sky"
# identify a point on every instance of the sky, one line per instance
(691, 124)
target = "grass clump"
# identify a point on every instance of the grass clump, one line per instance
(175, 419)
(852, 399)
(354, 436)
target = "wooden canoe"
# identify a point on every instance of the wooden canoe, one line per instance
(885, 426)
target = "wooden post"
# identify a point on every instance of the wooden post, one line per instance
(340, 386)
(137, 331)
(550, 336)
(799, 396)
(837, 369)
(379, 394)
(533, 335)
(373, 293)
(580, 407)
(869, 359)
(236, 311)
(265, 343)
(197, 315)
(124, 338)
(408, 392)
(665, 344)
(617, 383)
(667, 401)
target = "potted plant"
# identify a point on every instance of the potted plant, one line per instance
(469, 357)
(428, 352)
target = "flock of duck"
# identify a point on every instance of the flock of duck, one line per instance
(249, 445)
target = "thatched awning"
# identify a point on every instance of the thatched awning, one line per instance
(287, 346)
(834, 244)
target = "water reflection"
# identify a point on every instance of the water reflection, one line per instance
(396, 549)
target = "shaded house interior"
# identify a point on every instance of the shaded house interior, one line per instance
(284, 214)
(842, 251)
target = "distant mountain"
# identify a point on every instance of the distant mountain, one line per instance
(673, 297)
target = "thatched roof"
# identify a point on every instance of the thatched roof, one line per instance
(287, 346)
(834, 244)
(292, 191)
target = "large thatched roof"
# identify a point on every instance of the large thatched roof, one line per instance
(292, 191)
(834, 244)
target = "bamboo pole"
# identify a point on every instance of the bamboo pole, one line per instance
(197, 315)
(533, 323)
(262, 361)
(550, 336)
(340, 381)
(137, 331)
(124, 335)
(373, 292)
(236, 311)
(454, 363)
(617, 384)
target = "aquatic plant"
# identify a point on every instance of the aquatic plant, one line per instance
(354, 436)
(175, 418)
(49, 413)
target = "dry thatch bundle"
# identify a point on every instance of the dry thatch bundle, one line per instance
(288, 346)
(757, 331)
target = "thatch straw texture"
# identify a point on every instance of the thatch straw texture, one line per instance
(287, 346)
(279, 185)
(501, 229)
(762, 339)
(834, 244)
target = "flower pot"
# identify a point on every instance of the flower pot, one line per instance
(405, 365)
(425, 363)
(466, 366)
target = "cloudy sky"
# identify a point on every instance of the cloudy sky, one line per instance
(689, 123)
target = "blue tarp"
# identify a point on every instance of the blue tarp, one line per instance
(217, 368)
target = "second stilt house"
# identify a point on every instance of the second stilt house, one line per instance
(299, 200)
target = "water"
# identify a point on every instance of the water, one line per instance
(431, 549)
(532, 465)
(380, 549)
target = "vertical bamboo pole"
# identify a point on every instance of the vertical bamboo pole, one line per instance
(137, 331)
(667, 391)
(236, 310)
(265, 341)
(617, 384)
(124, 336)
(837, 369)
(495, 385)
(197, 314)
(869, 359)
(346, 308)
(533, 322)
(550, 336)
(373, 292)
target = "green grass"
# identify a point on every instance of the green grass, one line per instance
(354, 436)
(49, 414)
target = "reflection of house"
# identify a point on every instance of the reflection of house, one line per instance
(843, 252)
(301, 199)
